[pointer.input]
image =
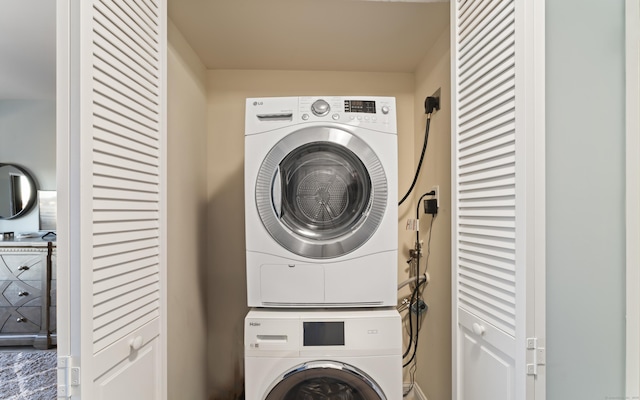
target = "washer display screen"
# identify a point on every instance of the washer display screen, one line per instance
(361, 106)
(323, 333)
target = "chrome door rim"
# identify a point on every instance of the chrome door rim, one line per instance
(321, 249)
(353, 376)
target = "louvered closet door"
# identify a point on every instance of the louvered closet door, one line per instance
(121, 197)
(493, 186)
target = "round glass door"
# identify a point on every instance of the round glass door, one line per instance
(321, 192)
(325, 380)
(326, 191)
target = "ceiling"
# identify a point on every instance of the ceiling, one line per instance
(344, 35)
(27, 49)
(338, 35)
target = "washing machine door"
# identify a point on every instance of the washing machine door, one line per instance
(325, 380)
(321, 192)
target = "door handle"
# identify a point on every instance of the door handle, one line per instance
(276, 193)
(478, 329)
(136, 343)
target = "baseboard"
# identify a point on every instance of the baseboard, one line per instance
(416, 391)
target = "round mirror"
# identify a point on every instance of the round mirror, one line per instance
(17, 191)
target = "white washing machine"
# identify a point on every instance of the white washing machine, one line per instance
(321, 354)
(321, 208)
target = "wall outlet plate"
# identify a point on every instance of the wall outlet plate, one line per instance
(436, 189)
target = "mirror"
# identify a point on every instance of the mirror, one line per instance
(17, 191)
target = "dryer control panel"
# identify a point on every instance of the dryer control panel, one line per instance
(321, 332)
(370, 112)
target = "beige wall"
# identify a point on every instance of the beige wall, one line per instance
(226, 283)
(207, 157)
(434, 349)
(187, 138)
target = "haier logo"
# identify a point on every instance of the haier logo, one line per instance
(257, 103)
(254, 323)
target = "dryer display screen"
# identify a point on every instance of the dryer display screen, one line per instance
(323, 333)
(361, 106)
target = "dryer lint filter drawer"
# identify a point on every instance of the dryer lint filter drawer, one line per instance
(283, 283)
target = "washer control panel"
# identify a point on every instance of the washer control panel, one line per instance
(357, 110)
(371, 112)
(321, 332)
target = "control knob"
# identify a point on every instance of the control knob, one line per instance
(320, 108)
(385, 109)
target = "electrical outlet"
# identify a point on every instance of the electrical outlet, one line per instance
(436, 189)
(432, 103)
(419, 307)
(432, 204)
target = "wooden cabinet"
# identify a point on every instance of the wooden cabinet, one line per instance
(27, 294)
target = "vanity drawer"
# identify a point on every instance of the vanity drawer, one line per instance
(20, 293)
(27, 294)
(20, 320)
(26, 267)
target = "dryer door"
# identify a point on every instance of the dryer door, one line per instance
(325, 380)
(321, 192)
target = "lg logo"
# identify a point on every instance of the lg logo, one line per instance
(257, 103)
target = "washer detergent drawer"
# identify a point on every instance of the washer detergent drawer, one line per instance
(292, 283)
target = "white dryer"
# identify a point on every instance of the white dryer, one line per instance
(321, 201)
(319, 354)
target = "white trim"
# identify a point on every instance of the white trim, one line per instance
(633, 197)
(532, 286)
(454, 204)
(67, 177)
(63, 282)
(536, 280)
(163, 389)
(524, 172)
(82, 213)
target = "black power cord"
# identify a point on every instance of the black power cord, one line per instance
(431, 104)
(415, 294)
(424, 150)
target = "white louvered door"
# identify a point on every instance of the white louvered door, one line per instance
(115, 235)
(497, 166)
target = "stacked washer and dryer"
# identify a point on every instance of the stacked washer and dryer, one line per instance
(321, 249)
